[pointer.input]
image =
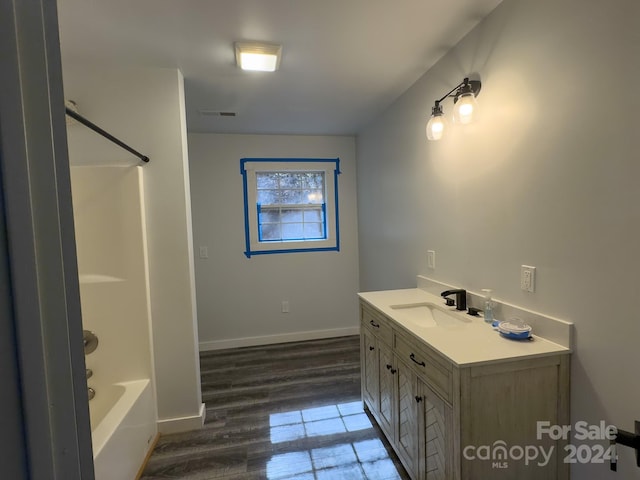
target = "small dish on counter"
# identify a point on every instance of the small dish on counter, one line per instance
(515, 329)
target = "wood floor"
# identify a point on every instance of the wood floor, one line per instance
(287, 411)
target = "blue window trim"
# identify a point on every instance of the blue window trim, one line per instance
(245, 191)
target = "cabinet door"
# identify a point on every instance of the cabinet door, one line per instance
(388, 385)
(408, 419)
(370, 371)
(436, 419)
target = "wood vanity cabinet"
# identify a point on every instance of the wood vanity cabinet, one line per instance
(379, 382)
(430, 409)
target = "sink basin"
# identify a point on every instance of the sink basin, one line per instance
(428, 315)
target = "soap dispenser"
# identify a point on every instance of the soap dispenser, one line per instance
(488, 306)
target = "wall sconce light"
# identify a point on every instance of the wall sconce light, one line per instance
(465, 105)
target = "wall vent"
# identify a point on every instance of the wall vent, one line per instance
(216, 113)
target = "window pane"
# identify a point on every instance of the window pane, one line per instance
(314, 180)
(313, 230)
(267, 180)
(270, 231)
(313, 215)
(292, 231)
(289, 216)
(313, 196)
(292, 197)
(268, 197)
(291, 180)
(269, 216)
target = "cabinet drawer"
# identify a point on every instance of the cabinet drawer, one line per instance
(377, 324)
(426, 365)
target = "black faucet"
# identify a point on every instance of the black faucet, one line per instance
(461, 297)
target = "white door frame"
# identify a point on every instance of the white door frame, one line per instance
(46, 416)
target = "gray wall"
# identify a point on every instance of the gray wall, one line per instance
(546, 177)
(239, 298)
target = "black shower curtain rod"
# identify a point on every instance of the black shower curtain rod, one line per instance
(107, 135)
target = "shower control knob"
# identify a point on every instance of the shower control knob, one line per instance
(90, 341)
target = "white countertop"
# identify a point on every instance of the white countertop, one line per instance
(473, 342)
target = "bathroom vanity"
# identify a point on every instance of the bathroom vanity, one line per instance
(454, 398)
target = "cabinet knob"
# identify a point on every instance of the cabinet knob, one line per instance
(372, 348)
(374, 324)
(393, 371)
(418, 399)
(389, 366)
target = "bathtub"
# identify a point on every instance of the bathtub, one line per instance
(123, 424)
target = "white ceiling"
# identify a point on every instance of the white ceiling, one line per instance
(344, 61)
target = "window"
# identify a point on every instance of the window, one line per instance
(290, 205)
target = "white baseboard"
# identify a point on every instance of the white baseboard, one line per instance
(282, 338)
(183, 424)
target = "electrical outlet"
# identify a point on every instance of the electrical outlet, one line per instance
(528, 278)
(431, 258)
(204, 252)
(285, 306)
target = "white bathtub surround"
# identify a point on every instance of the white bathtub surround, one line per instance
(124, 436)
(109, 218)
(97, 278)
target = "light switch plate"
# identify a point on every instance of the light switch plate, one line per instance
(431, 258)
(204, 252)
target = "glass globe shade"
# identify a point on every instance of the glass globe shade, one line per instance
(435, 127)
(464, 109)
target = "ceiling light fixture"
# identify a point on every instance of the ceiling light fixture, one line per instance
(262, 57)
(465, 106)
